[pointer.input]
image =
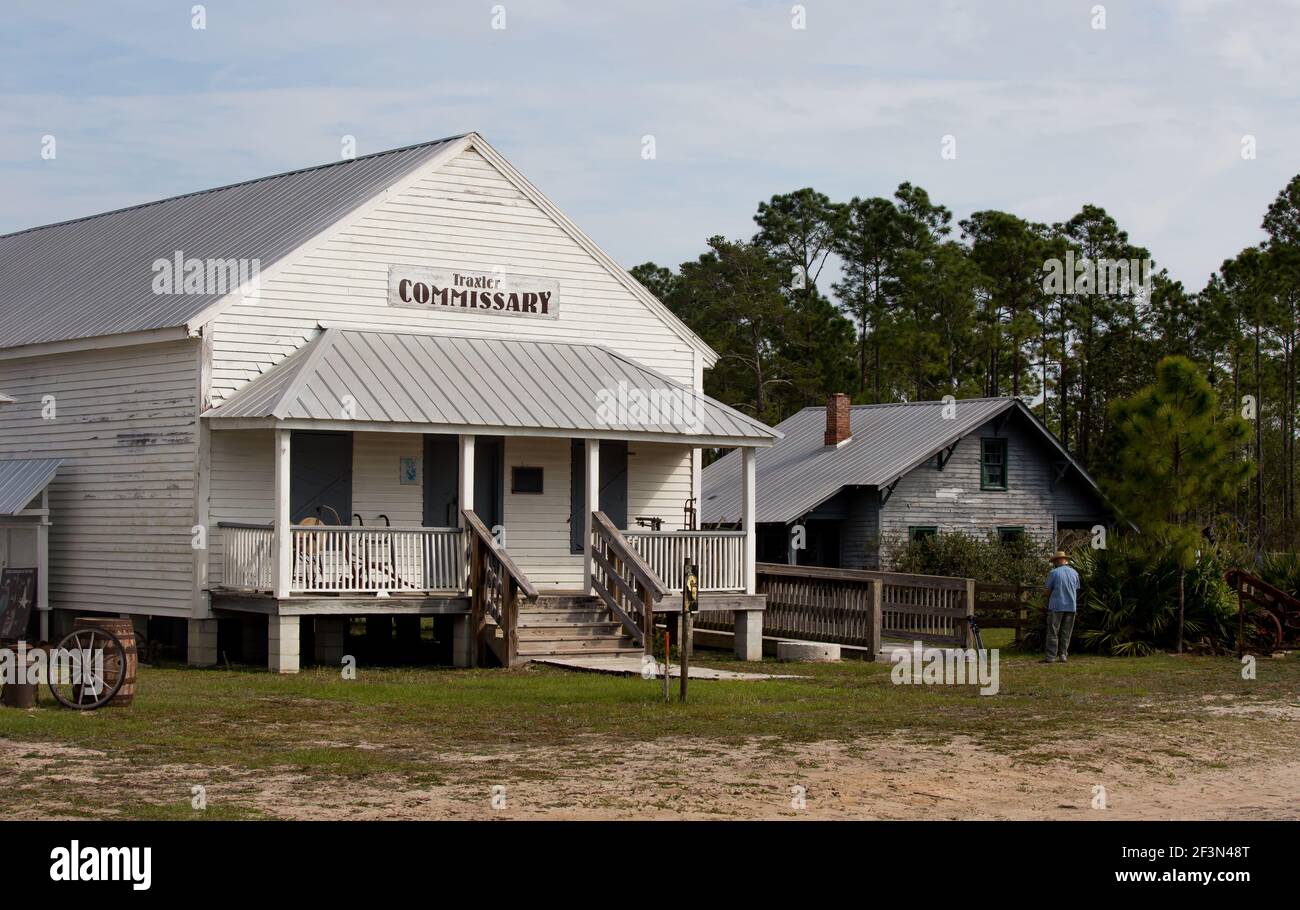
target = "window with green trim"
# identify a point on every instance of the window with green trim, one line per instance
(916, 533)
(1011, 534)
(993, 464)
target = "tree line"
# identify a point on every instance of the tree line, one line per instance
(1070, 316)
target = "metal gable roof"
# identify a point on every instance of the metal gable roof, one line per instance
(800, 472)
(93, 276)
(21, 479)
(357, 376)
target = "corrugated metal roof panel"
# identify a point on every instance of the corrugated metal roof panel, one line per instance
(800, 472)
(494, 383)
(21, 479)
(94, 276)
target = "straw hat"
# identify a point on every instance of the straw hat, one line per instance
(1061, 557)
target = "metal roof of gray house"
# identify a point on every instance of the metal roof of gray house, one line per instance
(94, 276)
(889, 440)
(21, 479)
(366, 377)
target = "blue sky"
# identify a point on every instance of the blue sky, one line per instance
(1144, 118)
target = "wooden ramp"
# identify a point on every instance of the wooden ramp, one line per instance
(631, 665)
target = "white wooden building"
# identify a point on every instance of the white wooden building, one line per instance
(399, 384)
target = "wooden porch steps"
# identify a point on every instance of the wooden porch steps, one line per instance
(570, 624)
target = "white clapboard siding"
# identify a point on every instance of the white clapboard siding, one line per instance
(658, 482)
(122, 504)
(465, 215)
(376, 486)
(242, 487)
(537, 525)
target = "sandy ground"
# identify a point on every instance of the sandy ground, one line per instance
(1189, 772)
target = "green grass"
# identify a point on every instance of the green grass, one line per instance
(418, 724)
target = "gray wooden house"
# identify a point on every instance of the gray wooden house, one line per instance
(855, 477)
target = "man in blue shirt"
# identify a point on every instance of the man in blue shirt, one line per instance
(1062, 594)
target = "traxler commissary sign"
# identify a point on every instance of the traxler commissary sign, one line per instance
(475, 292)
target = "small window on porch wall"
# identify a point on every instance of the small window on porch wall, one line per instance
(993, 464)
(525, 479)
(921, 532)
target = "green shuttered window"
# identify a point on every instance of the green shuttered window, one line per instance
(993, 464)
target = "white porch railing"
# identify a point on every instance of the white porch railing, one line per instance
(347, 560)
(720, 556)
(247, 556)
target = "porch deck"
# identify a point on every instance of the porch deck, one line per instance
(267, 604)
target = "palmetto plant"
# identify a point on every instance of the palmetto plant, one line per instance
(1129, 605)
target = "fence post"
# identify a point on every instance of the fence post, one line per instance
(968, 639)
(1020, 612)
(477, 617)
(509, 616)
(876, 621)
(648, 621)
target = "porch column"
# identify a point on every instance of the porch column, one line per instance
(465, 492)
(283, 534)
(748, 514)
(43, 566)
(591, 501)
(465, 500)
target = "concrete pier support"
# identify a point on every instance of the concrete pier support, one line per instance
(283, 643)
(202, 645)
(330, 638)
(749, 634)
(462, 642)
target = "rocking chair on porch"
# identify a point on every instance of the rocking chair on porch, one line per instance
(350, 562)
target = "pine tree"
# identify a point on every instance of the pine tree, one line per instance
(1173, 461)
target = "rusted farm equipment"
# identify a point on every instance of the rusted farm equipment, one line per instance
(1275, 624)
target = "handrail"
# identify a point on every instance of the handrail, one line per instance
(623, 581)
(495, 583)
(904, 578)
(601, 525)
(475, 524)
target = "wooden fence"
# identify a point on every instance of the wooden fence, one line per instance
(859, 607)
(1007, 607)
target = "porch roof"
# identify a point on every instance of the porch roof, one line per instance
(415, 382)
(21, 479)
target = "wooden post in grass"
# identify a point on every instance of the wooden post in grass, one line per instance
(668, 644)
(690, 603)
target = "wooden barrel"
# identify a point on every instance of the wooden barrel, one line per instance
(124, 629)
(15, 694)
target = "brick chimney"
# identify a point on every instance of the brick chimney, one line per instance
(837, 420)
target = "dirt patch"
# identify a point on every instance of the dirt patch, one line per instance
(1243, 766)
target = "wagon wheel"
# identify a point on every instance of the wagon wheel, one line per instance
(86, 684)
(1267, 633)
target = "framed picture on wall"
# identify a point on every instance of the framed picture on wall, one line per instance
(409, 470)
